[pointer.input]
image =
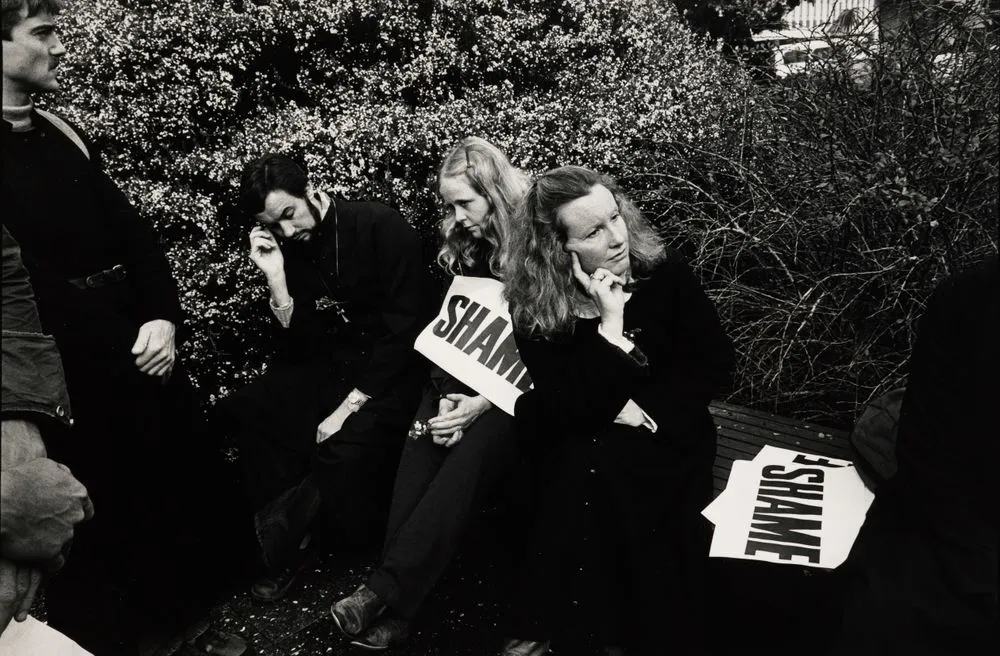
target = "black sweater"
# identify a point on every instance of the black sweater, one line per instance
(682, 360)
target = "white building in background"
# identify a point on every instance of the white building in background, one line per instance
(818, 30)
(811, 20)
(812, 31)
(811, 16)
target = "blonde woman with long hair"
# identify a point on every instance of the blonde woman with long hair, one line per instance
(468, 444)
(625, 351)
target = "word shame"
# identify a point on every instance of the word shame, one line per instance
(787, 517)
(466, 328)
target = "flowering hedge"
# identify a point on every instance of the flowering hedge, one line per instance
(820, 212)
(369, 94)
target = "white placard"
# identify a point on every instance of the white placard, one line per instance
(472, 339)
(32, 638)
(790, 508)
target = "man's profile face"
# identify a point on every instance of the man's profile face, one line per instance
(289, 217)
(32, 54)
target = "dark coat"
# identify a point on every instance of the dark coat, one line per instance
(361, 296)
(72, 220)
(924, 567)
(620, 544)
(367, 259)
(134, 437)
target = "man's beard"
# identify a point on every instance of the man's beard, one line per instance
(314, 210)
(305, 235)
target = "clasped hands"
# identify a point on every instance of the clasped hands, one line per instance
(154, 348)
(456, 412)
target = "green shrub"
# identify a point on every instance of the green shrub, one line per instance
(369, 94)
(826, 221)
(820, 212)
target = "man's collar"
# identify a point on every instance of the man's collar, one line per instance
(19, 118)
(327, 231)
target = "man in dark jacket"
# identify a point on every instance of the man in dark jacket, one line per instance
(40, 500)
(324, 427)
(925, 564)
(105, 292)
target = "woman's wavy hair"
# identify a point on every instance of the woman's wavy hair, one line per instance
(540, 286)
(491, 175)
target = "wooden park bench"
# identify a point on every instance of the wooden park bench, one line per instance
(742, 433)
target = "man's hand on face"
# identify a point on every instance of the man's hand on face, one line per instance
(154, 348)
(18, 587)
(42, 502)
(265, 253)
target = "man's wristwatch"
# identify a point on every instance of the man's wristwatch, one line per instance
(355, 400)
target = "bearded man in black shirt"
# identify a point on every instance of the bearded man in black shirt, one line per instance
(321, 432)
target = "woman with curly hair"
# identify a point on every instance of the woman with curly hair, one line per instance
(469, 443)
(625, 351)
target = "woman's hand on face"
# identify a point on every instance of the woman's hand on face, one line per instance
(605, 289)
(448, 427)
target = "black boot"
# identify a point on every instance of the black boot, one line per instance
(278, 579)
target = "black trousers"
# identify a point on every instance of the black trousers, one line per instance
(274, 422)
(164, 542)
(436, 490)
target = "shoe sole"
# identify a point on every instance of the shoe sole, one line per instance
(368, 647)
(340, 627)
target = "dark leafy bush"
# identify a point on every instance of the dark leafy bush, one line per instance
(369, 94)
(820, 211)
(846, 195)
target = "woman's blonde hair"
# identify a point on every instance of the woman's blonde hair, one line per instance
(492, 176)
(540, 285)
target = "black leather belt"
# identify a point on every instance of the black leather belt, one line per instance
(117, 273)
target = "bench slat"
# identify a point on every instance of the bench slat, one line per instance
(750, 415)
(742, 433)
(739, 432)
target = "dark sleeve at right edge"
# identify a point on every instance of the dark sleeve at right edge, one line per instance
(33, 380)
